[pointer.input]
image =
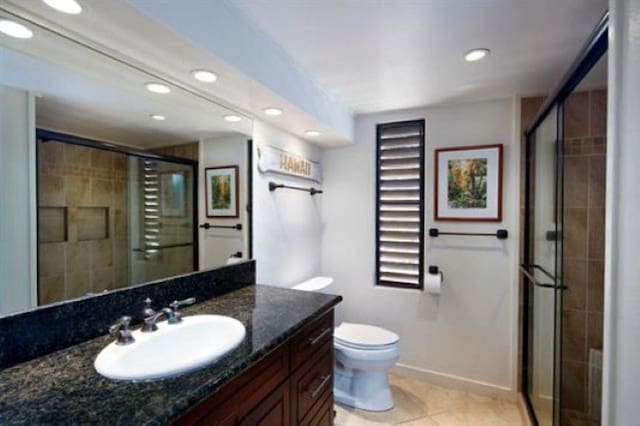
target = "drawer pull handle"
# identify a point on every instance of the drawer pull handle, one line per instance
(323, 382)
(314, 340)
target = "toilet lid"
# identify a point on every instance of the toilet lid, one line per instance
(364, 335)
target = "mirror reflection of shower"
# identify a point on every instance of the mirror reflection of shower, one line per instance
(108, 218)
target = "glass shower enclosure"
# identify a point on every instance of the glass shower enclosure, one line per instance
(563, 249)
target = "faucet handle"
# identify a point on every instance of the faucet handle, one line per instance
(173, 316)
(121, 331)
(175, 305)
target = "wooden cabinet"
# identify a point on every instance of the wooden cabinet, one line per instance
(292, 385)
(274, 410)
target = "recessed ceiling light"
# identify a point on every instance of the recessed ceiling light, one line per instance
(158, 117)
(476, 54)
(272, 111)
(204, 76)
(232, 118)
(13, 29)
(65, 6)
(157, 88)
(312, 133)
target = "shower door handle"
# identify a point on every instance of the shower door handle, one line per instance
(524, 269)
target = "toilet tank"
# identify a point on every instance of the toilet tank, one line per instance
(320, 284)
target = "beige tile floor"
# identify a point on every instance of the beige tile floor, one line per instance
(424, 404)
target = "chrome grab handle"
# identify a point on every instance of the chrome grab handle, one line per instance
(323, 382)
(314, 340)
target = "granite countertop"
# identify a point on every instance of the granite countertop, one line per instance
(63, 387)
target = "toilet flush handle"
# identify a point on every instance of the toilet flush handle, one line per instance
(314, 340)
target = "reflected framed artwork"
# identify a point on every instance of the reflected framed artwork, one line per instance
(173, 194)
(221, 185)
(468, 183)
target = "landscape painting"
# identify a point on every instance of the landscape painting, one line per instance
(468, 183)
(222, 191)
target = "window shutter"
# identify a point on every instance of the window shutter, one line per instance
(400, 204)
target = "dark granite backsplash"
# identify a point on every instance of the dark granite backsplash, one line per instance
(30, 334)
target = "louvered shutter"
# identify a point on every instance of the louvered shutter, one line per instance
(400, 204)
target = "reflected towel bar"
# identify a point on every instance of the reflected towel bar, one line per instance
(313, 191)
(501, 234)
(170, 246)
(237, 226)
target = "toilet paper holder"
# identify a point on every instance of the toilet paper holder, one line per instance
(433, 269)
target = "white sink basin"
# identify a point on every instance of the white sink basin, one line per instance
(172, 349)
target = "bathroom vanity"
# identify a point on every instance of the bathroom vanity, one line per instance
(281, 373)
(292, 385)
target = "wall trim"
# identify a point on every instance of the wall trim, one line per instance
(524, 412)
(457, 382)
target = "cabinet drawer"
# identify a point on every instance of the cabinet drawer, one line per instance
(311, 338)
(311, 386)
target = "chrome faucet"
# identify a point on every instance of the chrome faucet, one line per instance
(150, 322)
(172, 314)
(149, 317)
(121, 331)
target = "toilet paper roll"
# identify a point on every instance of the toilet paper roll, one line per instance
(433, 283)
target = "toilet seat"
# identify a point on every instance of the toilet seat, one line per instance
(364, 337)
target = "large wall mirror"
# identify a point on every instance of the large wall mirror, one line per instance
(111, 175)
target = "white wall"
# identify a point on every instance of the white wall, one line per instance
(287, 228)
(621, 381)
(216, 245)
(17, 200)
(469, 331)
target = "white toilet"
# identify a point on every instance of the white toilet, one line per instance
(364, 354)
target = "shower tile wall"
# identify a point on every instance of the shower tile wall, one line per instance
(583, 257)
(187, 150)
(90, 186)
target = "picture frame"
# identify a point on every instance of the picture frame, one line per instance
(221, 191)
(468, 183)
(173, 194)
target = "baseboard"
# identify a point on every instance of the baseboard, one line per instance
(524, 412)
(456, 382)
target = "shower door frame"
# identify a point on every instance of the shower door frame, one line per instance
(592, 51)
(49, 135)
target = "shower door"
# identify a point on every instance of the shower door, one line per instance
(541, 268)
(162, 219)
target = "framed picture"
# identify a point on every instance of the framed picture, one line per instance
(173, 194)
(222, 191)
(468, 183)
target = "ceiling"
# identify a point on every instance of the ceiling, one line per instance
(378, 55)
(117, 28)
(85, 93)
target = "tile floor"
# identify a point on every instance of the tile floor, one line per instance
(424, 404)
